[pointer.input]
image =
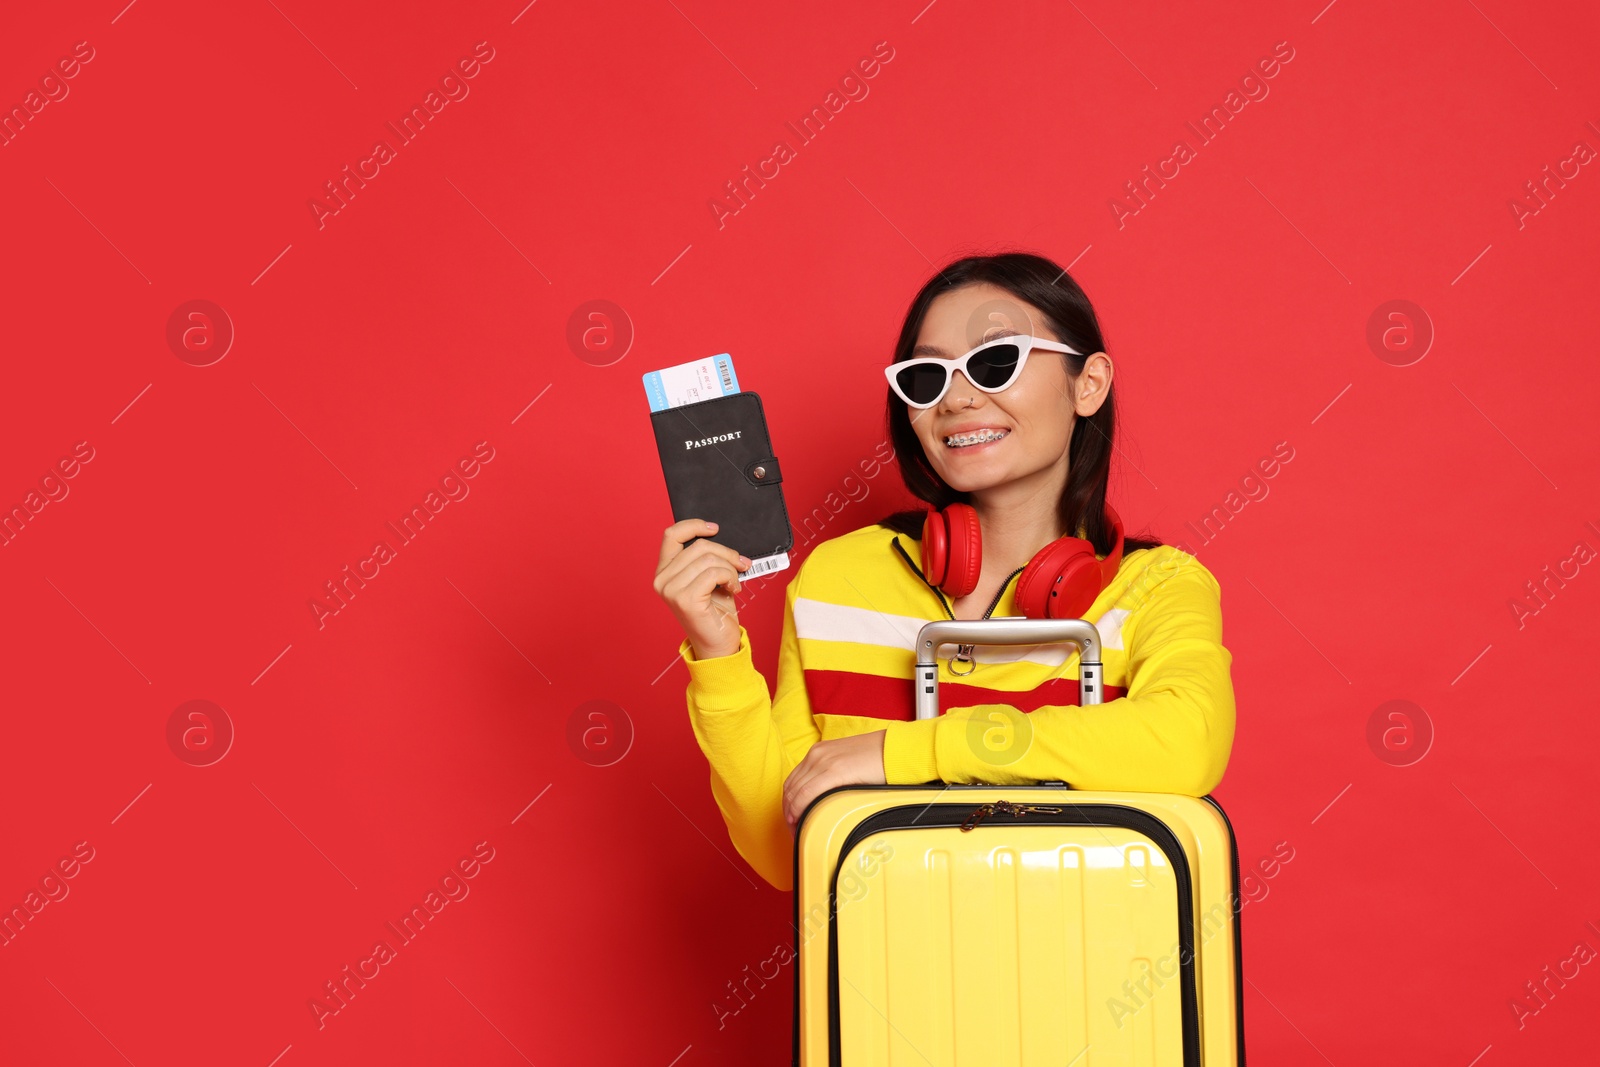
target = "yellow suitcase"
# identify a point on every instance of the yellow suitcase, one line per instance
(981, 925)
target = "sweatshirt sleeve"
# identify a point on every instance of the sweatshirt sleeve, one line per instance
(1171, 733)
(752, 742)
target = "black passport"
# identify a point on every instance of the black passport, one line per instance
(719, 466)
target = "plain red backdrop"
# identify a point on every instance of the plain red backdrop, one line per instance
(375, 350)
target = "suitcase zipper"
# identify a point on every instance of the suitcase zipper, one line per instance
(1004, 807)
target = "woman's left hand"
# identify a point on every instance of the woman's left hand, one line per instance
(854, 760)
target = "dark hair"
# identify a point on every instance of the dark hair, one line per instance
(1069, 315)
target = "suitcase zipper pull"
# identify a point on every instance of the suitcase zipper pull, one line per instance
(979, 813)
(1004, 807)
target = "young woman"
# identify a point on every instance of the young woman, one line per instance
(1003, 422)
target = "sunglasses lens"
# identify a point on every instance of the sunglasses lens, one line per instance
(923, 383)
(993, 368)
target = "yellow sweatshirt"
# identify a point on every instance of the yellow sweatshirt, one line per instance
(850, 621)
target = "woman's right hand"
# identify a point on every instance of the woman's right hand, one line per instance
(698, 583)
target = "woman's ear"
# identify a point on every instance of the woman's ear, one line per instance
(1092, 385)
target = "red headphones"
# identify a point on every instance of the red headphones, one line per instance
(1061, 581)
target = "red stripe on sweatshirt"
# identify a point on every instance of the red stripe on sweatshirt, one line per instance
(849, 693)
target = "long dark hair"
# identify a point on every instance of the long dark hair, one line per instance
(1037, 281)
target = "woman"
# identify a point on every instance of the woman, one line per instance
(1030, 452)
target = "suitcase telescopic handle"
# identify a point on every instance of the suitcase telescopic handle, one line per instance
(1005, 631)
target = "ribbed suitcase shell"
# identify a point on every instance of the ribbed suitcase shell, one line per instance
(1105, 934)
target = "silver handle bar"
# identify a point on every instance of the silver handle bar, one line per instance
(1006, 631)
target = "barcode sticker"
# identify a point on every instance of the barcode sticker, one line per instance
(765, 565)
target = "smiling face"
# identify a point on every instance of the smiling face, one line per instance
(1021, 432)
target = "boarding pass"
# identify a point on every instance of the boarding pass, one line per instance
(690, 383)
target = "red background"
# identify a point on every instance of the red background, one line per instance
(375, 351)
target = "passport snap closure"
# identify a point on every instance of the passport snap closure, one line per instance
(763, 471)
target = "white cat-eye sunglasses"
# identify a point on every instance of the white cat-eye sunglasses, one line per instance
(992, 366)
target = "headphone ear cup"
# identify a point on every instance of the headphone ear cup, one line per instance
(935, 547)
(1060, 582)
(1027, 600)
(965, 549)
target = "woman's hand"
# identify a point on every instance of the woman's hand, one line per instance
(698, 584)
(855, 760)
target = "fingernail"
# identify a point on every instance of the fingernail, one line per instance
(712, 525)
